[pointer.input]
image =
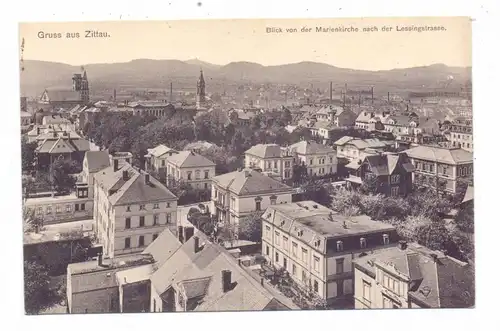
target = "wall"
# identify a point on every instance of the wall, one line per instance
(99, 301)
(330, 166)
(246, 204)
(156, 302)
(59, 210)
(136, 297)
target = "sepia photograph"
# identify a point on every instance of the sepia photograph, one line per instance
(247, 165)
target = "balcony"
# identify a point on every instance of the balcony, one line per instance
(220, 205)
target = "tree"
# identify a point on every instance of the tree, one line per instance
(33, 223)
(60, 178)
(465, 219)
(316, 190)
(286, 116)
(37, 294)
(250, 227)
(28, 154)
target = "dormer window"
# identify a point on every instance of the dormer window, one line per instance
(362, 242)
(128, 208)
(142, 207)
(340, 246)
(273, 199)
(386, 239)
(156, 206)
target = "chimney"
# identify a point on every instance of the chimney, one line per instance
(125, 175)
(372, 95)
(331, 92)
(196, 244)
(171, 94)
(388, 97)
(114, 95)
(180, 233)
(434, 257)
(37, 130)
(146, 178)
(402, 245)
(188, 232)
(226, 280)
(115, 165)
(99, 259)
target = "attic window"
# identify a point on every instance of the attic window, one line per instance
(340, 246)
(362, 242)
(300, 233)
(386, 239)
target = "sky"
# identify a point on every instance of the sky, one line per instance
(225, 41)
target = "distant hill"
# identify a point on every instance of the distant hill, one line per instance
(159, 73)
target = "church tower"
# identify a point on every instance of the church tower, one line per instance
(200, 91)
(84, 92)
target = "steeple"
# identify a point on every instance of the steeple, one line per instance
(200, 90)
(84, 74)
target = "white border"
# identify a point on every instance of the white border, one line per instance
(486, 110)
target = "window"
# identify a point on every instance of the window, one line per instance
(169, 218)
(395, 179)
(311, 161)
(294, 269)
(277, 238)
(77, 207)
(304, 255)
(284, 263)
(340, 246)
(48, 210)
(431, 167)
(367, 287)
(127, 223)
(189, 175)
(162, 163)
(127, 242)
(197, 174)
(294, 249)
(268, 230)
(285, 243)
(39, 211)
(168, 204)
(395, 191)
(156, 206)
(257, 205)
(287, 164)
(273, 199)
(68, 208)
(304, 276)
(276, 164)
(142, 207)
(141, 221)
(339, 266)
(267, 250)
(82, 206)
(340, 288)
(362, 242)
(205, 186)
(141, 241)
(385, 237)
(128, 208)
(276, 257)
(316, 264)
(155, 219)
(155, 236)
(206, 174)
(316, 286)
(287, 173)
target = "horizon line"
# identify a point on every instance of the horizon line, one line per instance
(244, 61)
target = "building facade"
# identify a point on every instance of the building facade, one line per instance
(191, 168)
(241, 193)
(317, 245)
(319, 160)
(352, 149)
(412, 276)
(131, 208)
(441, 168)
(270, 158)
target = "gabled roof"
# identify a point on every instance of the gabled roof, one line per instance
(385, 164)
(310, 147)
(62, 145)
(441, 154)
(189, 159)
(132, 190)
(97, 160)
(361, 143)
(163, 247)
(469, 194)
(265, 150)
(199, 145)
(249, 182)
(199, 276)
(62, 95)
(160, 150)
(443, 282)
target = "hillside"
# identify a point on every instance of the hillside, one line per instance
(159, 73)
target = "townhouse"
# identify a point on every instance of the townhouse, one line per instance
(386, 173)
(319, 160)
(412, 276)
(130, 207)
(240, 193)
(156, 159)
(191, 168)
(460, 134)
(441, 167)
(317, 245)
(270, 158)
(351, 148)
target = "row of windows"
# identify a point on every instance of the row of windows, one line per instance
(140, 241)
(146, 207)
(197, 174)
(59, 209)
(142, 220)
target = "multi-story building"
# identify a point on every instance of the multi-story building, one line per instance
(158, 108)
(412, 276)
(368, 119)
(156, 159)
(336, 115)
(56, 147)
(387, 173)
(93, 162)
(352, 149)
(317, 245)
(130, 207)
(240, 193)
(441, 167)
(270, 158)
(192, 168)
(319, 160)
(460, 134)
(68, 97)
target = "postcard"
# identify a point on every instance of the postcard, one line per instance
(247, 165)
